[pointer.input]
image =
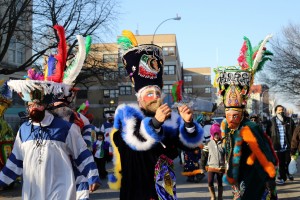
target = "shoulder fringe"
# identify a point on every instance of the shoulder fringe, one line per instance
(49, 87)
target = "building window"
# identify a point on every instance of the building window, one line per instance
(207, 90)
(122, 71)
(16, 52)
(110, 93)
(169, 69)
(188, 90)
(82, 94)
(207, 78)
(167, 89)
(110, 75)
(125, 90)
(187, 78)
(169, 51)
(110, 58)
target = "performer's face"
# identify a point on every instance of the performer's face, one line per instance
(36, 111)
(150, 99)
(234, 118)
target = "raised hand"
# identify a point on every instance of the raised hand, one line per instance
(186, 113)
(162, 113)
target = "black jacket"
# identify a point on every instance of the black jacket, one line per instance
(295, 144)
(273, 132)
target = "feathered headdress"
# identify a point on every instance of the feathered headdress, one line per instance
(234, 82)
(143, 63)
(57, 78)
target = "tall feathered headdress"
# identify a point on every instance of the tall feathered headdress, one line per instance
(57, 78)
(143, 63)
(234, 82)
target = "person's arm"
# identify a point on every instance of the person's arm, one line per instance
(82, 156)
(295, 141)
(14, 165)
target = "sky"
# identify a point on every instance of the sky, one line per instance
(210, 33)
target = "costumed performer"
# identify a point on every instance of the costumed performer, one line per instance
(249, 156)
(45, 143)
(146, 135)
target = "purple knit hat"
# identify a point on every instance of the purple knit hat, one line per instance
(215, 128)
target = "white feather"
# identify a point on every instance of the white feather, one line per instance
(75, 67)
(259, 54)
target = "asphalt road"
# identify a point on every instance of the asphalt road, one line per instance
(188, 191)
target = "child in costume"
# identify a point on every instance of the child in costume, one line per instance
(250, 159)
(213, 161)
(192, 165)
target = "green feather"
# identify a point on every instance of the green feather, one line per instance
(124, 42)
(255, 49)
(249, 52)
(261, 64)
(88, 42)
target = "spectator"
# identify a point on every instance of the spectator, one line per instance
(100, 151)
(213, 161)
(281, 131)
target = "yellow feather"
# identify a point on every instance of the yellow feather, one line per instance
(131, 37)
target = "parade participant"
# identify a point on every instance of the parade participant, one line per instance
(250, 159)
(47, 141)
(106, 129)
(7, 135)
(146, 135)
(62, 107)
(281, 131)
(213, 161)
(191, 165)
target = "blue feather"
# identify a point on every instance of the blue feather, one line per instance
(51, 65)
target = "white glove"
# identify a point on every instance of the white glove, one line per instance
(293, 167)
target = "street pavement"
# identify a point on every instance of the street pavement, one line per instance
(185, 190)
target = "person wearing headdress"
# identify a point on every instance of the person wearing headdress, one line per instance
(250, 159)
(63, 107)
(45, 144)
(145, 136)
(7, 135)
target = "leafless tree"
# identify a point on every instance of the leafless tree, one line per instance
(282, 74)
(14, 15)
(84, 17)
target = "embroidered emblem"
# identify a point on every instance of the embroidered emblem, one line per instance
(148, 67)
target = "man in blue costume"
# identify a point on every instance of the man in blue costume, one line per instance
(146, 135)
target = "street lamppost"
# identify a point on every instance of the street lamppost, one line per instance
(173, 18)
(262, 102)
